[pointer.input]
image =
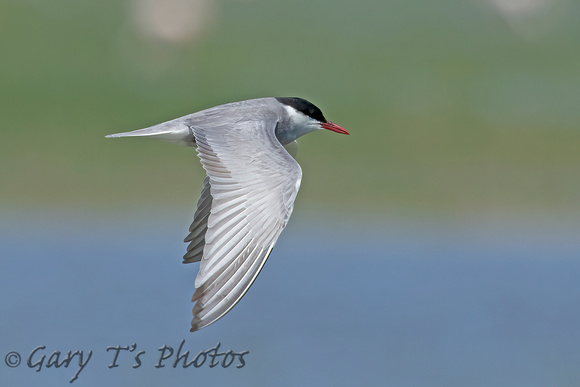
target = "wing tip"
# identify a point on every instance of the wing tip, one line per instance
(198, 324)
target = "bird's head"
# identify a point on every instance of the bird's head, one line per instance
(304, 117)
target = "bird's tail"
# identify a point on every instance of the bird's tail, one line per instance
(176, 131)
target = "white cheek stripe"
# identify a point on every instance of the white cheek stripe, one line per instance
(298, 118)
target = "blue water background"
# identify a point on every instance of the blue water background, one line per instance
(341, 302)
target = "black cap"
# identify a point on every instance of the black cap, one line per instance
(304, 107)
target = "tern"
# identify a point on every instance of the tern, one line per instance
(247, 150)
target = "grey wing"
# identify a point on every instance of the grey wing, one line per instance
(252, 184)
(198, 228)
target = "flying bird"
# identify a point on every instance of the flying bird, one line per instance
(246, 149)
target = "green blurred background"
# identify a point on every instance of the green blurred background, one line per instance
(454, 107)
